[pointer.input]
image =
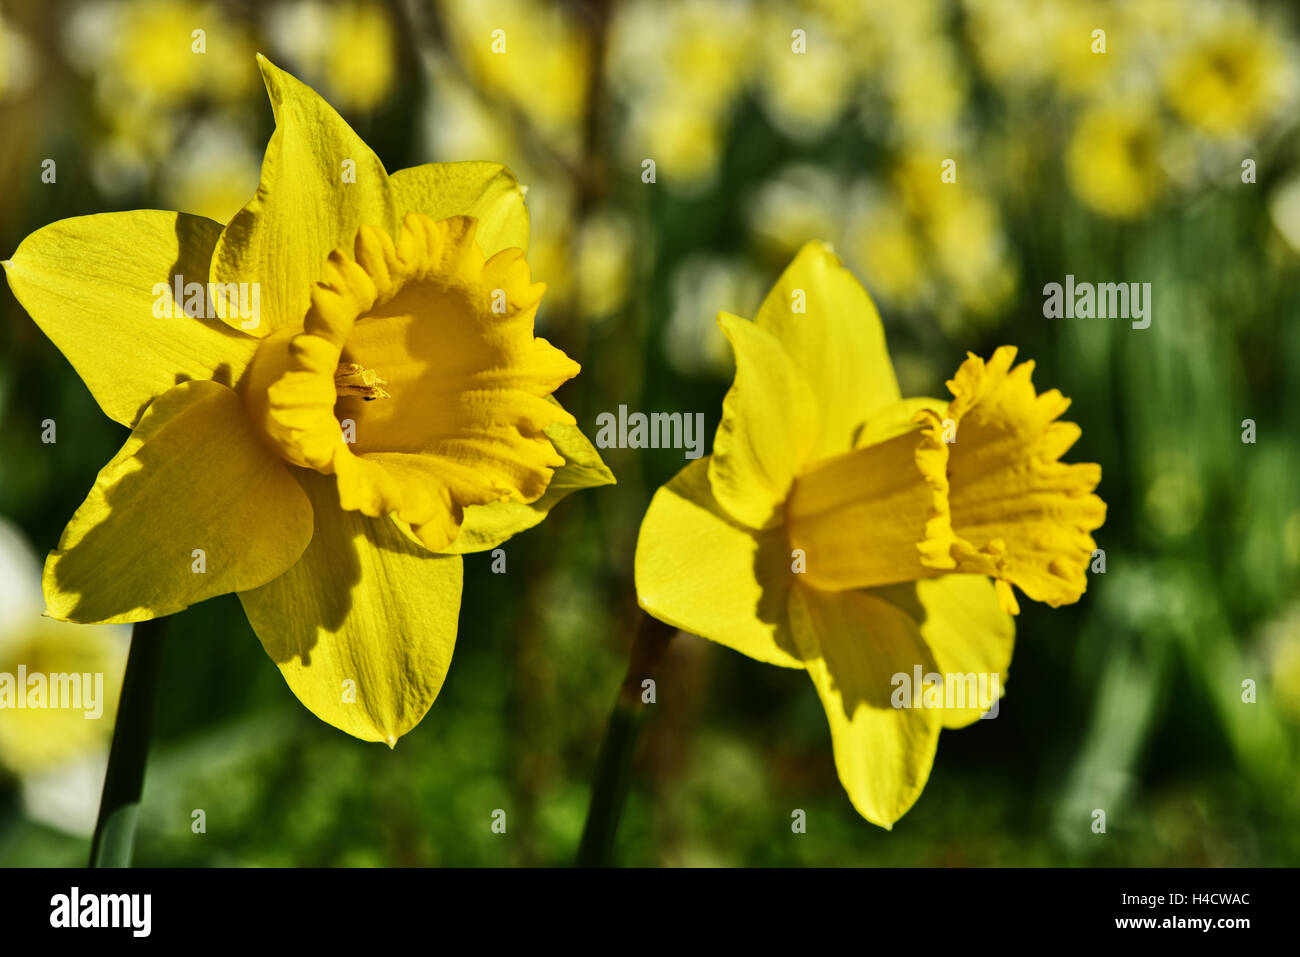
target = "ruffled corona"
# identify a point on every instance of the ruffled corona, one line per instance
(1020, 515)
(415, 378)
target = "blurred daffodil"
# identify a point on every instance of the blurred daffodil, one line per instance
(1284, 210)
(163, 51)
(844, 530)
(927, 89)
(806, 74)
(1113, 159)
(346, 50)
(603, 263)
(693, 343)
(329, 453)
(680, 67)
(16, 61)
(930, 243)
(157, 67)
(212, 173)
(890, 253)
(516, 48)
(799, 203)
(1232, 78)
(59, 749)
(1022, 45)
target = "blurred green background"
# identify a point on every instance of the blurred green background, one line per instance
(1122, 166)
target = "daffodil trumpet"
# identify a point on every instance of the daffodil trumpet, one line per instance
(841, 529)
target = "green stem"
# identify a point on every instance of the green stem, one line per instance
(123, 784)
(614, 764)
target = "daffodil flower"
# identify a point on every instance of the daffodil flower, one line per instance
(57, 744)
(860, 536)
(330, 458)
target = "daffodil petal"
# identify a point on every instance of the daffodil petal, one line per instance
(836, 340)
(319, 183)
(970, 636)
(487, 191)
(853, 644)
(363, 626)
(96, 285)
(769, 422)
(194, 505)
(699, 570)
(487, 526)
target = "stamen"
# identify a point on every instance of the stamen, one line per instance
(353, 379)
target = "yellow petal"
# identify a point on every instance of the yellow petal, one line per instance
(304, 206)
(363, 626)
(838, 343)
(853, 644)
(699, 570)
(1020, 514)
(90, 284)
(192, 476)
(769, 422)
(486, 191)
(970, 636)
(487, 526)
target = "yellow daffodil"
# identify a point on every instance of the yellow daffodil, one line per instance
(42, 734)
(1232, 79)
(844, 530)
(16, 61)
(1113, 160)
(166, 51)
(329, 455)
(514, 48)
(347, 50)
(212, 173)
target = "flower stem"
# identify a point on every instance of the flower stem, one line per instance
(123, 784)
(614, 764)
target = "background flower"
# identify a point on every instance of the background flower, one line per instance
(57, 756)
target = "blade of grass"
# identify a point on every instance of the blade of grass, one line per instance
(614, 764)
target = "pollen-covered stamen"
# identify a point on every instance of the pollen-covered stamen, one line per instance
(351, 379)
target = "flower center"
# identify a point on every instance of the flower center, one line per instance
(453, 334)
(352, 379)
